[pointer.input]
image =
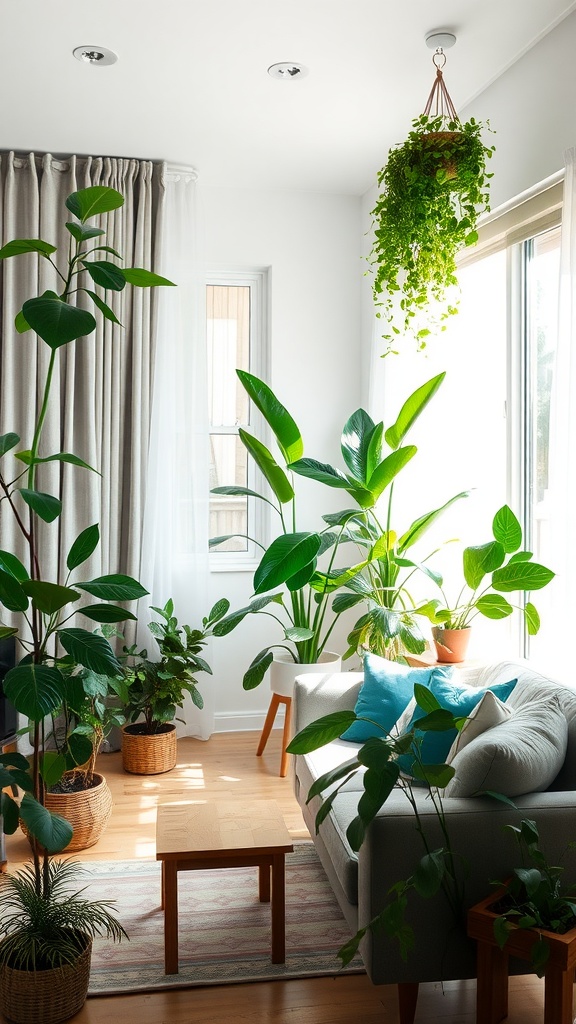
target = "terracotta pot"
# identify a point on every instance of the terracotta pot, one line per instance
(451, 644)
(149, 755)
(284, 669)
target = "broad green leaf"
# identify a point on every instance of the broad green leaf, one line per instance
(15, 760)
(325, 474)
(52, 767)
(217, 612)
(226, 625)
(6, 631)
(427, 878)
(320, 732)
(298, 634)
(11, 594)
(49, 597)
(106, 274)
(82, 233)
(277, 417)
(521, 576)
(478, 560)
(90, 650)
(425, 699)
(302, 577)
(345, 770)
(411, 410)
(103, 307)
(10, 814)
(56, 322)
(44, 505)
(35, 690)
(419, 526)
(9, 563)
(106, 613)
(7, 442)
(22, 245)
(257, 669)
(493, 606)
(502, 929)
(438, 775)
(532, 619)
(114, 587)
(89, 202)
(268, 466)
(388, 469)
(80, 748)
(342, 602)
(73, 460)
(246, 492)
(286, 556)
(507, 529)
(52, 832)
(140, 278)
(21, 324)
(355, 445)
(84, 545)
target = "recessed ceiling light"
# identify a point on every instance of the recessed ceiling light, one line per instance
(99, 56)
(288, 70)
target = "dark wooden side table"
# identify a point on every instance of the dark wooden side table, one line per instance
(492, 984)
(244, 833)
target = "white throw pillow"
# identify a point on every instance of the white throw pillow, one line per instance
(521, 755)
(491, 711)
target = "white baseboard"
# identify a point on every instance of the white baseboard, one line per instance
(249, 721)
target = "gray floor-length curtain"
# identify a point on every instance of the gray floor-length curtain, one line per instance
(101, 396)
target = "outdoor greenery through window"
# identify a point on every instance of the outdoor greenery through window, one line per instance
(235, 316)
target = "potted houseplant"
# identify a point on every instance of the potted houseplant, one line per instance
(498, 567)
(309, 608)
(157, 688)
(434, 186)
(48, 924)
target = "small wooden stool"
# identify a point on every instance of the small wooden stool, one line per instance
(275, 703)
(222, 835)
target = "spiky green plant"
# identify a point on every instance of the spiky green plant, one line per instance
(48, 928)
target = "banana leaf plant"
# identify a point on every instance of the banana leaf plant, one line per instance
(43, 608)
(390, 626)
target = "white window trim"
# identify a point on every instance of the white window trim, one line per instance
(259, 281)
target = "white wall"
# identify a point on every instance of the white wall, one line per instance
(311, 242)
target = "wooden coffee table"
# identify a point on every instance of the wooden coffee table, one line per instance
(237, 834)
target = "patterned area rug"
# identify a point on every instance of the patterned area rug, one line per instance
(224, 931)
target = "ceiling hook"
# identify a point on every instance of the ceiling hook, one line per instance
(439, 58)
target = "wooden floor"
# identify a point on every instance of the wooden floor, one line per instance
(226, 767)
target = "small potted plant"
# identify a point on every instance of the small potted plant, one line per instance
(434, 186)
(490, 570)
(157, 688)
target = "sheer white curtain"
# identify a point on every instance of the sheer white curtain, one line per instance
(175, 537)
(563, 421)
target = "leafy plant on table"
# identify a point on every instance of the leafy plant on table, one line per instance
(434, 186)
(534, 897)
(38, 685)
(439, 869)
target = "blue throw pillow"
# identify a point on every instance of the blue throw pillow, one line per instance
(387, 690)
(460, 700)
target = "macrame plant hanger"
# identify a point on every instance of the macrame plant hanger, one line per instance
(439, 103)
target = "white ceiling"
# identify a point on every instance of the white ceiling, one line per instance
(191, 87)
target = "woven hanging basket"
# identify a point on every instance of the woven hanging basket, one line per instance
(87, 810)
(45, 997)
(148, 754)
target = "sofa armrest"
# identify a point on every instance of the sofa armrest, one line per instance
(320, 694)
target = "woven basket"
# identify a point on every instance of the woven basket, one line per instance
(148, 755)
(88, 811)
(45, 997)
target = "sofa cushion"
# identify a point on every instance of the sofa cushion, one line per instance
(387, 688)
(454, 696)
(521, 755)
(486, 715)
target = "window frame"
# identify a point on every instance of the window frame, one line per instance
(257, 279)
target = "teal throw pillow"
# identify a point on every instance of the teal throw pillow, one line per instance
(387, 690)
(461, 701)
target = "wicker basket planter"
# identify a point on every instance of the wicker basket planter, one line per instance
(144, 754)
(45, 997)
(87, 810)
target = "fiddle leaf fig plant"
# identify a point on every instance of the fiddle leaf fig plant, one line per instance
(434, 186)
(43, 609)
(500, 566)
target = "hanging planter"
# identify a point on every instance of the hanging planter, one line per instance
(434, 188)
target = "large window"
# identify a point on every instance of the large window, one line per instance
(236, 339)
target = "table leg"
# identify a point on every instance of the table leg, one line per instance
(278, 909)
(264, 883)
(170, 892)
(558, 995)
(492, 984)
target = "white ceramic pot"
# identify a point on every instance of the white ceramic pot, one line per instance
(284, 669)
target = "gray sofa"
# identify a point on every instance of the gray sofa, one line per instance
(393, 848)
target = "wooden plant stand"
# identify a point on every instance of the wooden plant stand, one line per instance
(492, 985)
(236, 834)
(275, 703)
